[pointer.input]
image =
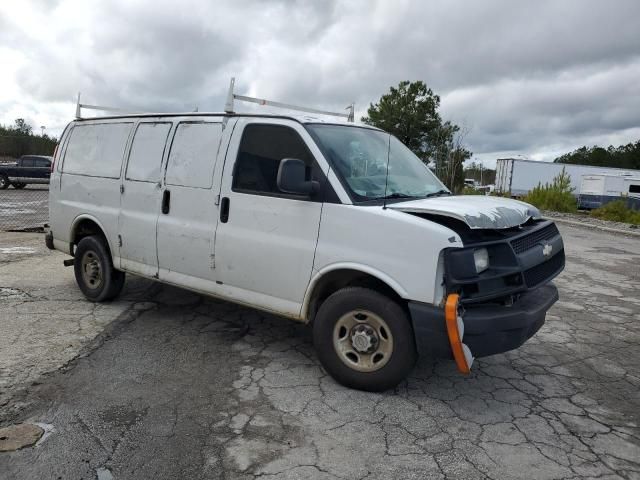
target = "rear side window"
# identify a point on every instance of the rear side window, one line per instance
(147, 150)
(634, 188)
(261, 150)
(97, 149)
(193, 154)
(41, 162)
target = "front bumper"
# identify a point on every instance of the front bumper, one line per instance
(488, 328)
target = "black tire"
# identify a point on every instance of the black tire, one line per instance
(4, 182)
(92, 254)
(19, 186)
(403, 355)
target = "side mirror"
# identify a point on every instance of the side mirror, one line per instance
(292, 179)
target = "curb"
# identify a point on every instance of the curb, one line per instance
(597, 227)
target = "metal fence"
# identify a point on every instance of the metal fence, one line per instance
(24, 209)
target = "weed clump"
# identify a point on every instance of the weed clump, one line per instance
(556, 196)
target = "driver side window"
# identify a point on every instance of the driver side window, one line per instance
(261, 149)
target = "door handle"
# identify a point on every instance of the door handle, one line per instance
(224, 209)
(166, 201)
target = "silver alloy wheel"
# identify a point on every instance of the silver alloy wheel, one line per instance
(91, 270)
(3, 181)
(363, 341)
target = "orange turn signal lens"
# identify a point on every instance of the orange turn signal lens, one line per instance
(455, 330)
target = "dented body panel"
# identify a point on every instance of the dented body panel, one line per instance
(477, 211)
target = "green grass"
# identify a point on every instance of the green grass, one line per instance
(471, 191)
(617, 211)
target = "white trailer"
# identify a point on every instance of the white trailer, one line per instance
(517, 177)
(598, 190)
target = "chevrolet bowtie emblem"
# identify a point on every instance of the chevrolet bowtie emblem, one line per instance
(547, 249)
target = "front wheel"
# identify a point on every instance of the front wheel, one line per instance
(364, 339)
(94, 271)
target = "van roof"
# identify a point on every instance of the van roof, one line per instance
(304, 119)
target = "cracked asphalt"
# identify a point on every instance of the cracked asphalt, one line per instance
(163, 383)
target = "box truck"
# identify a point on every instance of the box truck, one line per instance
(516, 177)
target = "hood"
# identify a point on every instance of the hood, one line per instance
(477, 211)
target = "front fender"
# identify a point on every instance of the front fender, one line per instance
(318, 275)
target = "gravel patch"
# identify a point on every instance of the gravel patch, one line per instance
(589, 221)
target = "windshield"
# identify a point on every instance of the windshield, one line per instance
(362, 156)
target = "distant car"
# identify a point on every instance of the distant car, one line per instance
(28, 169)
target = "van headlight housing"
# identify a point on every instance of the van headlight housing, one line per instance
(481, 259)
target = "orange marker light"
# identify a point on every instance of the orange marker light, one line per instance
(455, 330)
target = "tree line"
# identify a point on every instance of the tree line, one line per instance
(623, 156)
(18, 139)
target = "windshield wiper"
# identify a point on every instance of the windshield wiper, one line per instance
(396, 195)
(438, 193)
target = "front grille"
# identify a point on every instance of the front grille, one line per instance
(525, 243)
(542, 272)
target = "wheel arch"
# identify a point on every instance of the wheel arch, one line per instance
(83, 226)
(335, 277)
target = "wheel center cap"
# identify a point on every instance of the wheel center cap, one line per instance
(363, 338)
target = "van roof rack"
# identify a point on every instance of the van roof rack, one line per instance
(80, 106)
(228, 107)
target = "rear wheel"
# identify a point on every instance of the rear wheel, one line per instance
(4, 182)
(94, 271)
(364, 339)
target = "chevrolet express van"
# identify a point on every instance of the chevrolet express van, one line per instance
(333, 224)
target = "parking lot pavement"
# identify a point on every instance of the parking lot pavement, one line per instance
(164, 383)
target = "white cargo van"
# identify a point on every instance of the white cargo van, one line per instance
(334, 224)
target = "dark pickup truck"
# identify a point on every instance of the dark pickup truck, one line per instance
(28, 169)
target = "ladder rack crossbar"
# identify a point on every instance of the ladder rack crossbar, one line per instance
(80, 106)
(231, 96)
(271, 103)
(105, 109)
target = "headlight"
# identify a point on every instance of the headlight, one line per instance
(481, 259)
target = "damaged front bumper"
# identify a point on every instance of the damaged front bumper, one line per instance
(487, 329)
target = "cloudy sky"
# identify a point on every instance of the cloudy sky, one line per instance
(535, 78)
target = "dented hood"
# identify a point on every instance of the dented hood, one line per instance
(477, 211)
